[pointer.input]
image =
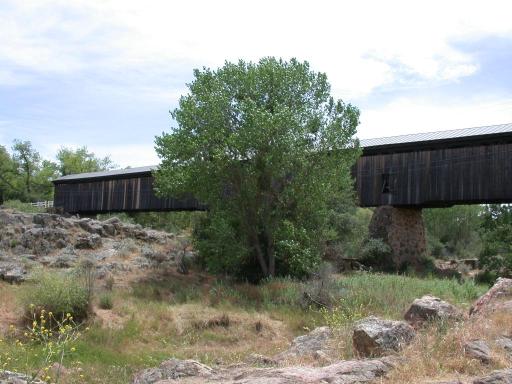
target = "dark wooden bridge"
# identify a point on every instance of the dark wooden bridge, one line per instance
(464, 166)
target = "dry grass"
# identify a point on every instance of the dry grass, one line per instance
(438, 351)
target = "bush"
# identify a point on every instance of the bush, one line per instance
(377, 254)
(105, 301)
(57, 293)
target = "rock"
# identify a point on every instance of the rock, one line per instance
(505, 343)
(343, 372)
(478, 349)
(92, 226)
(8, 377)
(307, 345)
(12, 272)
(431, 308)
(503, 376)
(64, 260)
(261, 360)
(172, 369)
(109, 229)
(375, 337)
(88, 242)
(501, 290)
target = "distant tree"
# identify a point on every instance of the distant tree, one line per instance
(496, 255)
(28, 163)
(80, 160)
(454, 231)
(266, 147)
(8, 175)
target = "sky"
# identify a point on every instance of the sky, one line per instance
(106, 73)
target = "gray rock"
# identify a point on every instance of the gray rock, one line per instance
(307, 345)
(376, 337)
(172, 369)
(431, 308)
(501, 290)
(12, 272)
(505, 343)
(503, 376)
(109, 229)
(478, 349)
(88, 242)
(64, 260)
(8, 377)
(92, 226)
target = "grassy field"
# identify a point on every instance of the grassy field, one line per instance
(215, 321)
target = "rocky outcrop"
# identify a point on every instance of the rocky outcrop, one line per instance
(376, 337)
(342, 372)
(54, 241)
(498, 297)
(430, 308)
(307, 345)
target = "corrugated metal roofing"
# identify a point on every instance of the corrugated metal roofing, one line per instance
(115, 172)
(365, 143)
(439, 135)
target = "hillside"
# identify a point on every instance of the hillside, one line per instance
(166, 321)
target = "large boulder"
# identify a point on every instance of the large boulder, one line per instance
(308, 345)
(342, 372)
(494, 298)
(172, 369)
(376, 337)
(430, 308)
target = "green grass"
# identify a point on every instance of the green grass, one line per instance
(160, 318)
(22, 207)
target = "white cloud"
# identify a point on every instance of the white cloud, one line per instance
(361, 45)
(405, 116)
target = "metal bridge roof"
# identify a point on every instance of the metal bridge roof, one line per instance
(382, 142)
(439, 135)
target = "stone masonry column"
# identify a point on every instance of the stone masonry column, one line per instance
(403, 230)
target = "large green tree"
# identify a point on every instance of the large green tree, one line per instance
(80, 160)
(266, 147)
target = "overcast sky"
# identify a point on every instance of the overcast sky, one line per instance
(106, 73)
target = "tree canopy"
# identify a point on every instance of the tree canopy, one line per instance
(267, 148)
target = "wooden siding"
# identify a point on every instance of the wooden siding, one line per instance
(116, 195)
(436, 177)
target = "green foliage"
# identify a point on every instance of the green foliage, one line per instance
(260, 144)
(80, 160)
(376, 253)
(57, 293)
(454, 232)
(105, 301)
(496, 254)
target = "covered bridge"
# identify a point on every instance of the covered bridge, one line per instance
(463, 166)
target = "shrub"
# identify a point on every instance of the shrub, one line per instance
(105, 301)
(57, 293)
(377, 254)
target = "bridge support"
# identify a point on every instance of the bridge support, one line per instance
(403, 230)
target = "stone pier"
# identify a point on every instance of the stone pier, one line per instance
(403, 230)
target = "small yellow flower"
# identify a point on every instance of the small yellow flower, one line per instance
(68, 314)
(73, 349)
